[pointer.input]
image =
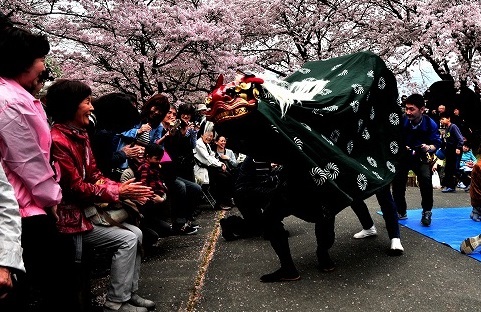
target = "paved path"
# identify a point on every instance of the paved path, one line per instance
(206, 273)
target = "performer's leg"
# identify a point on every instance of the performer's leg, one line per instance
(278, 237)
(389, 213)
(325, 236)
(362, 213)
(399, 190)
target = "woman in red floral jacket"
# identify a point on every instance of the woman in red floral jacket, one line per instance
(69, 105)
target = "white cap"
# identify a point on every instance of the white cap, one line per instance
(201, 107)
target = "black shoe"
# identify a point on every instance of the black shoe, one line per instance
(227, 231)
(402, 216)
(426, 218)
(185, 229)
(281, 275)
(325, 262)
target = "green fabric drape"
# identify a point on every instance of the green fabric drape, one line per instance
(340, 141)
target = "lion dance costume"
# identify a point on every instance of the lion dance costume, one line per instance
(334, 124)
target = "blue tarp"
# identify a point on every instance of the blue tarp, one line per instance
(450, 226)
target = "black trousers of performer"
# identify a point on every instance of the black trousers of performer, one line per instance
(274, 214)
(388, 208)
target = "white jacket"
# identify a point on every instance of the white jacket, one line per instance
(204, 159)
(11, 226)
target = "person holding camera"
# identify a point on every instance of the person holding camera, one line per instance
(421, 137)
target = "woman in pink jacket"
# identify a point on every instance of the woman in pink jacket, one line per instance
(25, 157)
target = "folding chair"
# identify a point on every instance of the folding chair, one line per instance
(207, 196)
(201, 178)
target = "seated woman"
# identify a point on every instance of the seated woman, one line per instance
(220, 179)
(224, 154)
(69, 105)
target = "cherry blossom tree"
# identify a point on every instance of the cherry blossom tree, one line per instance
(139, 47)
(180, 46)
(404, 33)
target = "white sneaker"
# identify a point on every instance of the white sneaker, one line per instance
(396, 248)
(365, 233)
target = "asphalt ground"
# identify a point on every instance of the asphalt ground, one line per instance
(203, 272)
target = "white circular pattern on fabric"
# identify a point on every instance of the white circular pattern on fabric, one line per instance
(373, 113)
(350, 146)
(390, 166)
(325, 92)
(382, 83)
(331, 108)
(394, 119)
(377, 175)
(274, 128)
(332, 170)
(370, 73)
(358, 89)
(343, 73)
(335, 135)
(298, 142)
(365, 134)
(318, 175)
(394, 147)
(317, 111)
(355, 106)
(304, 70)
(362, 181)
(372, 161)
(360, 122)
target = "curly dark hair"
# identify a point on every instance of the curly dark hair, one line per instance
(63, 98)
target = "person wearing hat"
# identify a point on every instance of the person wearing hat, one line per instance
(421, 136)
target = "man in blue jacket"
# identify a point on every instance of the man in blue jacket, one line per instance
(421, 138)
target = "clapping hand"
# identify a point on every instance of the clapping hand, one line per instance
(134, 151)
(135, 191)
